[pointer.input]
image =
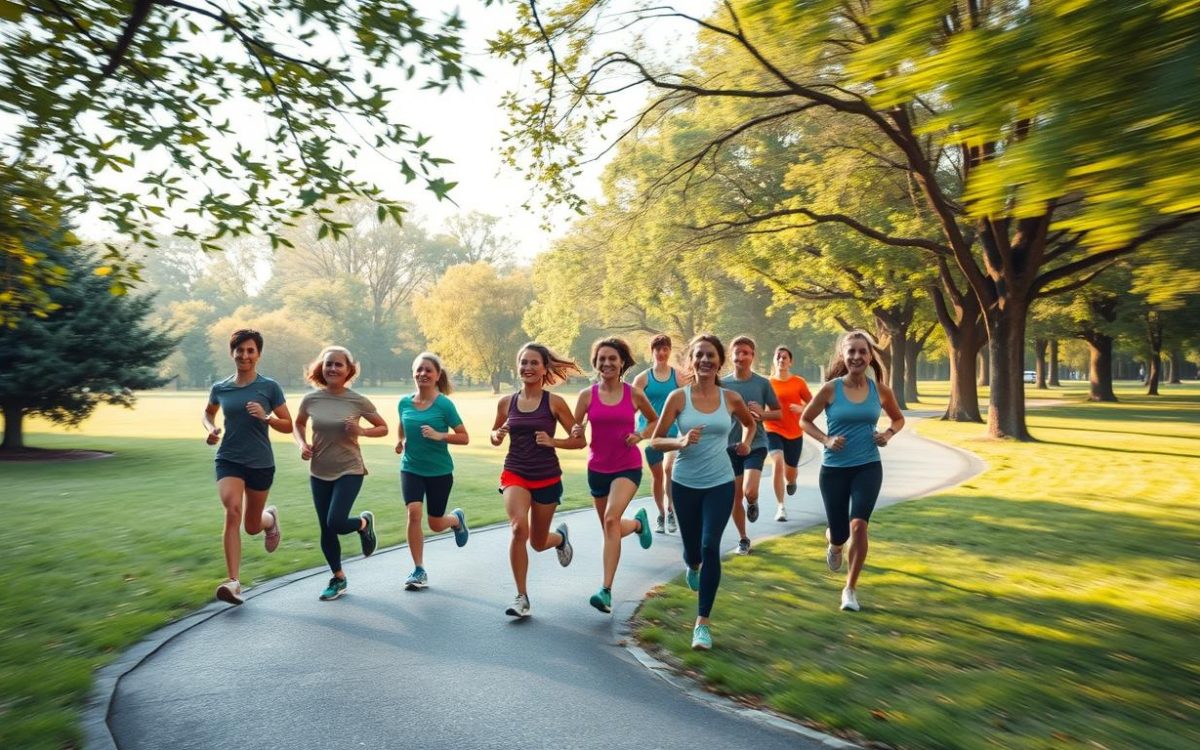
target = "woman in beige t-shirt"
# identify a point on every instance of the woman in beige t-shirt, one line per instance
(336, 462)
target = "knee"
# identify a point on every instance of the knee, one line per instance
(414, 513)
(858, 528)
(752, 495)
(253, 525)
(520, 531)
(612, 526)
(233, 514)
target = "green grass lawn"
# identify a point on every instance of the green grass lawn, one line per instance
(1051, 602)
(96, 554)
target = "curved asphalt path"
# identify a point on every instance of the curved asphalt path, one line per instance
(444, 667)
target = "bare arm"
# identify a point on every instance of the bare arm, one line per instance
(562, 412)
(658, 439)
(500, 425)
(738, 408)
(581, 409)
(456, 436)
(646, 410)
(300, 433)
(888, 401)
(378, 427)
(214, 432)
(812, 411)
(399, 436)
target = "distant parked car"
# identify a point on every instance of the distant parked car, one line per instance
(1030, 376)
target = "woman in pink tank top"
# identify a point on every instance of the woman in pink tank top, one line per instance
(614, 460)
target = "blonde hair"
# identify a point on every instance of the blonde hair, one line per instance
(443, 380)
(316, 371)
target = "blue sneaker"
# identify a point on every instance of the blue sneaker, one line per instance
(701, 638)
(645, 534)
(461, 532)
(602, 600)
(335, 589)
(417, 580)
(693, 578)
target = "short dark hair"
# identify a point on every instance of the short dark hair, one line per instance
(659, 341)
(243, 335)
(743, 340)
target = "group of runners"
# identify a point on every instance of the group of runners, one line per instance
(705, 438)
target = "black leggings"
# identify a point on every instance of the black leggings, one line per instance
(702, 515)
(333, 501)
(849, 492)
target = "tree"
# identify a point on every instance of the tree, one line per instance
(472, 319)
(479, 238)
(945, 86)
(88, 87)
(93, 347)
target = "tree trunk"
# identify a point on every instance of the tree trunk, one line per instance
(1154, 336)
(1175, 367)
(898, 351)
(964, 390)
(1054, 362)
(1039, 353)
(1153, 375)
(910, 371)
(14, 437)
(985, 366)
(1100, 367)
(496, 382)
(1006, 404)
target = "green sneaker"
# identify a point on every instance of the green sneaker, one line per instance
(367, 534)
(645, 534)
(693, 578)
(701, 638)
(602, 600)
(335, 589)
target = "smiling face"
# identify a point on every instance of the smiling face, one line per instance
(531, 368)
(783, 360)
(608, 362)
(706, 360)
(245, 356)
(335, 369)
(856, 353)
(425, 372)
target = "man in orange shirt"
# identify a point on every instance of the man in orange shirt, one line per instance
(785, 439)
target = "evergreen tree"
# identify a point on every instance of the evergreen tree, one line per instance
(95, 347)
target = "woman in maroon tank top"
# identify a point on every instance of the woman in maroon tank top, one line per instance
(531, 481)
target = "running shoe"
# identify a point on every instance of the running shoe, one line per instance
(273, 535)
(230, 592)
(417, 580)
(565, 551)
(672, 526)
(780, 513)
(659, 528)
(602, 600)
(701, 638)
(335, 589)
(366, 535)
(849, 600)
(833, 558)
(645, 536)
(791, 489)
(519, 608)
(751, 512)
(743, 546)
(693, 578)
(461, 532)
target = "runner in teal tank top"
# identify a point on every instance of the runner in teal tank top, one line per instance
(657, 382)
(851, 472)
(703, 480)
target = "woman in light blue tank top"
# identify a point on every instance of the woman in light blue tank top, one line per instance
(702, 484)
(658, 382)
(851, 472)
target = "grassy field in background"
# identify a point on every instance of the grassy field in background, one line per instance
(1050, 602)
(96, 554)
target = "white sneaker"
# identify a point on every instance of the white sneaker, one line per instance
(833, 558)
(519, 607)
(230, 592)
(565, 551)
(780, 513)
(849, 600)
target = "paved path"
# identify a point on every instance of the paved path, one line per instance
(445, 668)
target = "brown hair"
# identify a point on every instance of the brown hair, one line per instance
(316, 371)
(691, 349)
(243, 335)
(558, 368)
(778, 349)
(443, 379)
(743, 340)
(659, 341)
(623, 351)
(837, 364)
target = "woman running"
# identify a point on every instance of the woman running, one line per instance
(429, 423)
(756, 392)
(657, 382)
(531, 480)
(851, 473)
(614, 462)
(249, 404)
(703, 480)
(336, 462)
(785, 438)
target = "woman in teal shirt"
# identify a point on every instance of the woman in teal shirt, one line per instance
(429, 423)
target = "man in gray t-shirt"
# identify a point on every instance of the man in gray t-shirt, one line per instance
(760, 397)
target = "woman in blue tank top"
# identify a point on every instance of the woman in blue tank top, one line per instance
(658, 381)
(702, 484)
(851, 473)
